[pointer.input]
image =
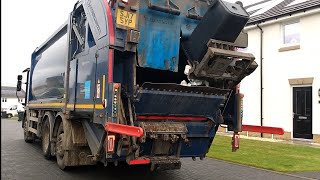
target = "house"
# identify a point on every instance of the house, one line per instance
(9, 98)
(284, 91)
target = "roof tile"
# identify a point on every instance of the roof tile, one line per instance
(9, 92)
(282, 9)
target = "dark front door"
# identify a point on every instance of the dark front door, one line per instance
(302, 112)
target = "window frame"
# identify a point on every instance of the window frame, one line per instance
(283, 33)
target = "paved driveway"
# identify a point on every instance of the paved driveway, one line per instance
(20, 160)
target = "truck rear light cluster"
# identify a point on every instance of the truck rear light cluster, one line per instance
(115, 104)
(115, 99)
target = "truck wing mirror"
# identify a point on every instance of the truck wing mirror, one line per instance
(19, 83)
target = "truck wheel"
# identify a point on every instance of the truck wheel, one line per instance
(28, 136)
(45, 139)
(9, 115)
(59, 150)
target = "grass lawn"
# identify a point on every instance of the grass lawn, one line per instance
(267, 155)
(13, 118)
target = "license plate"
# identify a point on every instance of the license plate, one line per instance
(126, 18)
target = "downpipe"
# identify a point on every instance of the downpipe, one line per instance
(261, 77)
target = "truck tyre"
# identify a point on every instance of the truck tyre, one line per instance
(45, 139)
(59, 149)
(9, 115)
(28, 136)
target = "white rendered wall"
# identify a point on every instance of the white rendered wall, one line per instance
(10, 102)
(278, 67)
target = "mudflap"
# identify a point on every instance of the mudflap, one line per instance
(165, 163)
(75, 145)
(79, 157)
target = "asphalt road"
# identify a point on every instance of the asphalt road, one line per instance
(20, 160)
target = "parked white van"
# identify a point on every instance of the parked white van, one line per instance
(14, 109)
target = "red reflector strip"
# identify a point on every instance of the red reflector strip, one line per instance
(236, 138)
(139, 161)
(111, 41)
(263, 129)
(110, 66)
(235, 142)
(124, 129)
(237, 88)
(177, 118)
(110, 22)
(110, 143)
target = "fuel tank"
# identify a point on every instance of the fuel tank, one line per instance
(48, 67)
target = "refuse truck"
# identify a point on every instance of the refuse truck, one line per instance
(143, 82)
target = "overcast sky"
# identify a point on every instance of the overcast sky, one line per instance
(26, 24)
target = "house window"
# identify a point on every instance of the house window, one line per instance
(291, 33)
(3, 99)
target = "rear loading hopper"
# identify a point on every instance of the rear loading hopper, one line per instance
(178, 100)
